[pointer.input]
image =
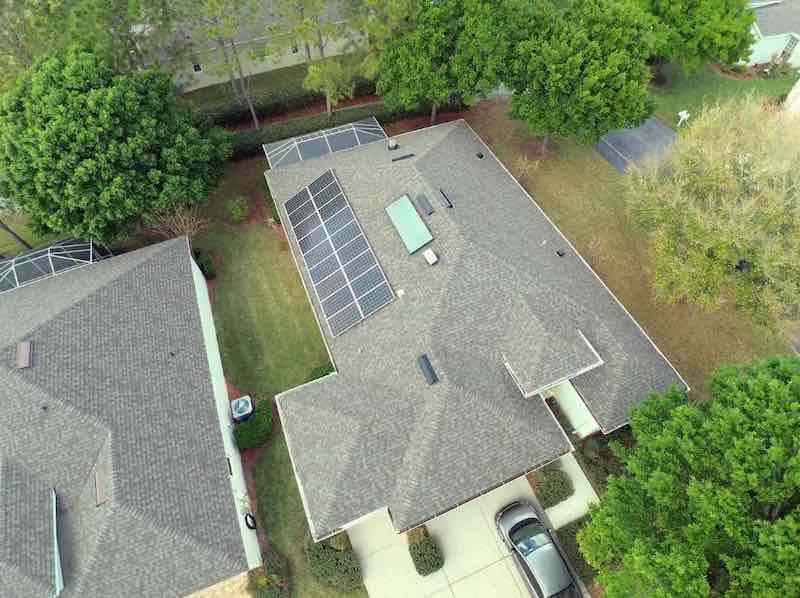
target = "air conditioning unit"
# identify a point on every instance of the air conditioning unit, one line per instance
(242, 408)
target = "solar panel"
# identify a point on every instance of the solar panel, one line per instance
(349, 283)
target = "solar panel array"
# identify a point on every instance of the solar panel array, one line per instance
(348, 280)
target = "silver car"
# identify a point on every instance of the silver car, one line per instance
(535, 552)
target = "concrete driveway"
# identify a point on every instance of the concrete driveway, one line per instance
(476, 562)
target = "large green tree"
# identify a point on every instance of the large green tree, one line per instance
(88, 152)
(584, 72)
(710, 498)
(456, 50)
(300, 23)
(28, 28)
(722, 211)
(697, 31)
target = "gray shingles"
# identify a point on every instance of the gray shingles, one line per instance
(122, 370)
(381, 437)
(777, 19)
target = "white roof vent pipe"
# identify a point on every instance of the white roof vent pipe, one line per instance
(392, 144)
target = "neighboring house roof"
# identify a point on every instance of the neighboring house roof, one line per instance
(777, 17)
(120, 384)
(375, 434)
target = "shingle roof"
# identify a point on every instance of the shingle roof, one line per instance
(375, 434)
(778, 18)
(120, 379)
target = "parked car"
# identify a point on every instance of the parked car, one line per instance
(536, 554)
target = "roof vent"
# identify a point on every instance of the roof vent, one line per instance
(403, 157)
(445, 200)
(480, 155)
(560, 252)
(427, 369)
(430, 256)
(24, 358)
(242, 408)
(392, 144)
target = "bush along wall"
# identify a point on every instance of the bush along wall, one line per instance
(272, 579)
(553, 485)
(333, 562)
(425, 551)
(255, 431)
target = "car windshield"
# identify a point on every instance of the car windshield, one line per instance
(529, 536)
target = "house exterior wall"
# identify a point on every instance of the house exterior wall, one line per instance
(237, 479)
(213, 68)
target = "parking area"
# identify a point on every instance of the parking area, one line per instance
(476, 561)
(635, 147)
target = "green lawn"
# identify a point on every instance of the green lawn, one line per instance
(690, 92)
(269, 342)
(18, 223)
(279, 81)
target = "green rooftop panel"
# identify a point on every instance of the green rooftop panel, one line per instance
(412, 230)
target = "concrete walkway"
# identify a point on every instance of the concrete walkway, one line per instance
(577, 505)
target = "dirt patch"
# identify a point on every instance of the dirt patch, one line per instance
(257, 209)
(278, 228)
(420, 122)
(745, 75)
(311, 110)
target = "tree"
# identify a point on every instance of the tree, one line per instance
(584, 73)
(332, 77)
(300, 23)
(219, 21)
(710, 497)
(455, 50)
(721, 211)
(28, 28)
(88, 152)
(372, 24)
(697, 31)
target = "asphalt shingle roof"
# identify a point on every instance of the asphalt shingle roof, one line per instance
(374, 434)
(779, 18)
(120, 381)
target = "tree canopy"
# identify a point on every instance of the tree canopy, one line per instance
(457, 49)
(88, 152)
(721, 211)
(583, 72)
(698, 31)
(710, 498)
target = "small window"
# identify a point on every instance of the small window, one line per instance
(197, 68)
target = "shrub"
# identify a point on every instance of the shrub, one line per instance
(425, 551)
(206, 264)
(338, 569)
(320, 371)
(567, 535)
(237, 209)
(254, 432)
(553, 485)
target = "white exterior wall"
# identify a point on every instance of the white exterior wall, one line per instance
(237, 479)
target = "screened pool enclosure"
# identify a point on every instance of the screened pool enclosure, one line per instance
(37, 264)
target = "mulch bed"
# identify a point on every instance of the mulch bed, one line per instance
(420, 122)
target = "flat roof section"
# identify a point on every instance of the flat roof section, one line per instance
(411, 228)
(314, 145)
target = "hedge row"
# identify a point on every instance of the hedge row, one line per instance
(248, 143)
(272, 579)
(276, 102)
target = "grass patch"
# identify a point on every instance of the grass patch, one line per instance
(269, 342)
(690, 92)
(19, 224)
(567, 535)
(275, 82)
(584, 196)
(281, 514)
